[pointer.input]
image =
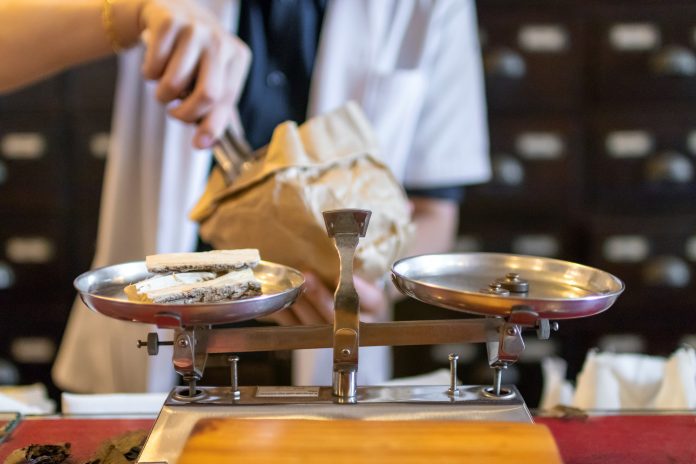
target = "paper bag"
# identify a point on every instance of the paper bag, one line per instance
(276, 204)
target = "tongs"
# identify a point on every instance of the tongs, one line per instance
(232, 153)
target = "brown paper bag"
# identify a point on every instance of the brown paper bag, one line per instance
(275, 205)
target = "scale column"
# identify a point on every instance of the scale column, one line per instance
(346, 226)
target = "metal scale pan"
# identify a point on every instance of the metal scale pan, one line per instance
(102, 291)
(476, 283)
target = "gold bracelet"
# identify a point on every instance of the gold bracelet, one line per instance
(108, 23)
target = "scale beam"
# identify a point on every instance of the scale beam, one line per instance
(403, 333)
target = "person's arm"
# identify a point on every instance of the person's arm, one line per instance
(436, 223)
(40, 37)
(188, 51)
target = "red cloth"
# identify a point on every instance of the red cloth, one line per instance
(600, 440)
(84, 435)
(625, 439)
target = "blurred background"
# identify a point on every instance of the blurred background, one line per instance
(592, 110)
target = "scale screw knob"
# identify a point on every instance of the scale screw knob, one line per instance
(495, 288)
(345, 352)
(152, 343)
(513, 283)
(182, 342)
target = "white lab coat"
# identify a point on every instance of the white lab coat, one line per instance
(414, 66)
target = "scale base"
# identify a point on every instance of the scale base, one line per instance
(179, 415)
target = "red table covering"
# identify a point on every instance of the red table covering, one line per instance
(630, 439)
(625, 439)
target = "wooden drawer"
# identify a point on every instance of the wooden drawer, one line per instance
(532, 56)
(643, 161)
(33, 162)
(550, 239)
(46, 95)
(536, 169)
(656, 258)
(31, 336)
(644, 52)
(91, 135)
(34, 258)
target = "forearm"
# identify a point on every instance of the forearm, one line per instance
(41, 37)
(436, 223)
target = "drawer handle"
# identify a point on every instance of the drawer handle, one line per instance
(674, 60)
(625, 248)
(29, 250)
(3, 173)
(670, 166)
(23, 146)
(666, 271)
(507, 170)
(99, 145)
(7, 276)
(504, 62)
(536, 244)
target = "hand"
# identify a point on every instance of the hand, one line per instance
(315, 305)
(189, 53)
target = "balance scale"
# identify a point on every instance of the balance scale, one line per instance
(513, 292)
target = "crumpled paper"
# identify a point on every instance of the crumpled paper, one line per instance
(276, 203)
(624, 381)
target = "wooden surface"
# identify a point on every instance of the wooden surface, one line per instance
(242, 441)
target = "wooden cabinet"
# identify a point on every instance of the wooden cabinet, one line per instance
(593, 142)
(537, 163)
(643, 161)
(53, 138)
(643, 52)
(532, 55)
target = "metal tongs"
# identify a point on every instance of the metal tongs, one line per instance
(232, 153)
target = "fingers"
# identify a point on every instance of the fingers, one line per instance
(159, 38)
(190, 54)
(313, 307)
(180, 70)
(373, 302)
(207, 90)
(319, 297)
(316, 305)
(284, 317)
(238, 68)
(217, 89)
(212, 126)
(306, 313)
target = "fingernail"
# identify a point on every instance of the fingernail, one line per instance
(205, 141)
(309, 280)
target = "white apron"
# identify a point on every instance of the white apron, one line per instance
(415, 68)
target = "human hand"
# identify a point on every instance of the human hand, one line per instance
(316, 304)
(190, 54)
